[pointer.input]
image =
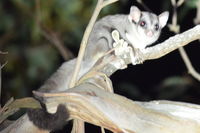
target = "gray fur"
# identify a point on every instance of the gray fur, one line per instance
(100, 40)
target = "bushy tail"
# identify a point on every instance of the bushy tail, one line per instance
(46, 121)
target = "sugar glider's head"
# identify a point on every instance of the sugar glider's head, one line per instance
(147, 25)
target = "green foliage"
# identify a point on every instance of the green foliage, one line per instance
(32, 57)
(192, 3)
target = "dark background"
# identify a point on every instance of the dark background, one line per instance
(32, 58)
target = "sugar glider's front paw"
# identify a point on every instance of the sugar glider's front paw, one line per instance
(120, 46)
(123, 50)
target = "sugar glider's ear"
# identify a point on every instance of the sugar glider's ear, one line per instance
(163, 17)
(134, 14)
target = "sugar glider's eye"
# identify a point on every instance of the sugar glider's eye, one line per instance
(156, 27)
(142, 23)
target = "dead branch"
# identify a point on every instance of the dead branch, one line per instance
(119, 114)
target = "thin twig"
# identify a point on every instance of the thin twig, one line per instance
(99, 6)
(107, 2)
(83, 44)
(180, 2)
(54, 39)
(1, 66)
(51, 36)
(182, 52)
(76, 128)
(188, 64)
(102, 130)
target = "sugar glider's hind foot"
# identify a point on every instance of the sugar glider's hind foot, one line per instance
(47, 121)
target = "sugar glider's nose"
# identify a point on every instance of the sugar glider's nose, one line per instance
(149, 33)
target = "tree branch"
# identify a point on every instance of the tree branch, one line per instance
(154, 52)
(172, 43)
(119, 114)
